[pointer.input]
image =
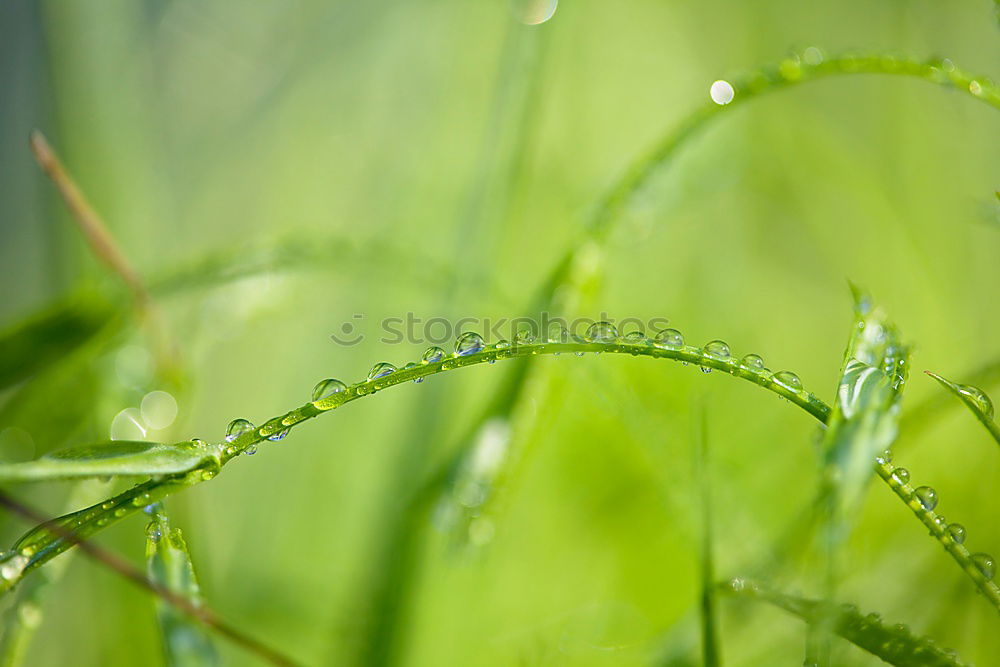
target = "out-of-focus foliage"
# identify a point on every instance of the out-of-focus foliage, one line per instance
(436, 158)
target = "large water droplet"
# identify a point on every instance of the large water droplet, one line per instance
(669, 338)
(753, 361)
(380, 370)
(238, 427)
(901, 475)
(957, 532)
(327, 388)
(986, 564)
(468, 343)
(927, 496)
(601, 332)
(722, 92)
(717, 348)
(788, 380)
(884, 458)
(432, 355)
(979, 398)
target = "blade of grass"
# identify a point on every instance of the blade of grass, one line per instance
(976, 400)
(168, 563)
(135, 576)
(43, 543)
(710, 648)
(895, 645)
(112, 458)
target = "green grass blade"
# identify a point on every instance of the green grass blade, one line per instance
(976, 400)
(41, 544)
(710, 647)
(111, 458)
(865, 419)
(168, 563)
(895, 645)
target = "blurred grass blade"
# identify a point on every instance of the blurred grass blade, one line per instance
(864, 422)
(114, 457)
(711, 654)
(976, 400)
(49, 336)
(895, 645)
(168, 563)
(865, 419)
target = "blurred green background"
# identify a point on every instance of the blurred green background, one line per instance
(437, 157)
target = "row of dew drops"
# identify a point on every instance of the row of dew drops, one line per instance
(799, 65)
(928, 499)
(897, 637)
(472, 343)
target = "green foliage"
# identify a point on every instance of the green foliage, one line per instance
(58, 368)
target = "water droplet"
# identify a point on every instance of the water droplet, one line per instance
(788, 380)
(533, 12)
(153, 533)
(236, 428)
(279, 435)
(636, 338)
(468, 343)
(927, 496)
(722, 92)
(251, 450)
(986, 564)
(975, 88)
(753, 361)
(957, 532)
(601, 332)
(524, 337)
(207, 474)
(705, 369)
(380, 370)
(432, 355)
(120, 512)
(884, 458)
(717, 348)
(812, 56)
(669, 338)
(327, 388)
(978, 397)
(557, 334)
(901, 475)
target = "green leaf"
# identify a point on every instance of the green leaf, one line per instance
(977, 401)
(895, 645)
(168, 563)
(114, 457)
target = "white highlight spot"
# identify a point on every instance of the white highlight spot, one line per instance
(722, 92)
